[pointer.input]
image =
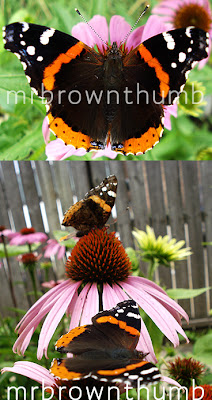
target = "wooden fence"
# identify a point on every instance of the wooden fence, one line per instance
(172, 197)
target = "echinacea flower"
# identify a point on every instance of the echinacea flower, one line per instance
(184, 370)
(117, 31)
(54, 247)
(100, 267)
(163, 249)
(6, 232)
(52, 283)
(53, 385)
(183, 13)
(29, 260)
(29, 236)
(203, 392)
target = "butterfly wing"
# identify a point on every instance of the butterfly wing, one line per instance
(106, 370)
(155, 72)
(122, 324)
(60, 68)
(95, 209)
(83, 339)
(166, 59)
(116, 328)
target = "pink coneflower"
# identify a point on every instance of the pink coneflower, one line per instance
(43, 377)
(53, 248)
(29, 259)
(28, 236)
(100, 267)
(52, 283)
(182, 13)
(6, 232)
(118, 29)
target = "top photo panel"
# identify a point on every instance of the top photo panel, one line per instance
(97, 80)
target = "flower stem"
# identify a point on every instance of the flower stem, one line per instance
(32, 276)
(10, 280)
(152, 267)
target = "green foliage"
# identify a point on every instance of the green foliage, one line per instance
(7, 357)
(13, 251)
(179, 294)
(203, 349)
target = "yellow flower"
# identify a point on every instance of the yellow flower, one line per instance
(160, 250)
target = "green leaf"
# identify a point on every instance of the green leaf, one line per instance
(25, 147)
(203, 349)
(179, 294)
(17, 250)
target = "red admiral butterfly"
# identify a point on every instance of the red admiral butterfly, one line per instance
(105, 350)
(95, 209)
(79, 80)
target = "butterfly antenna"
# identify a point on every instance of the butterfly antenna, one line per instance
(124, 40)
(79, 13)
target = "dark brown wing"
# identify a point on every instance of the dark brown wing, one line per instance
(95, 209)
(106, 370)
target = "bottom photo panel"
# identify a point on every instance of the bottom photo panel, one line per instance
(105, 280)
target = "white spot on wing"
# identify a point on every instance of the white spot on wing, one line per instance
(24, 65)
(23, 43)
(132, 315)
(194, 63)
(173, 65)
(4, 41)
(188, 31)
(156, 376)
(133, 377)
(182, 87)
(31, 50)
(25, 26)
(149, 371)
(182, 57)
(44, 39)
(28, 78)
(169, 40)
(39, 58)
(34, 90)
(189, 49)
(112, 194)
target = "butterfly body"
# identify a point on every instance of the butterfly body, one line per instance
(78, 81)
(106, 349)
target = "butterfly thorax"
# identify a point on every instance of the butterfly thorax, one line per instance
(113, 67)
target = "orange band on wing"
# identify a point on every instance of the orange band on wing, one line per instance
(122, 370)
(101, 202)
(68, 337)
(160, 73)
(64, 132)
(140, 145)
(64, 58)
(121, 324)
(59, 370)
